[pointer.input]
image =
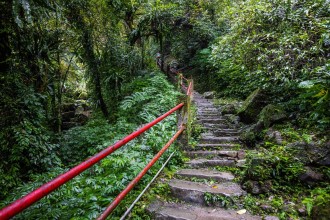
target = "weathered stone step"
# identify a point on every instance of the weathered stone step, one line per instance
(209, 112)
(215, 146)
(194, 192)
(226, 132)
(209, 115)
(211, 120)
(219, 153)
(205, 111)
(165, 211)
(202, 162)
(207, 134)
(212, 126)
(204, 104)
(206, 174)
(215, 140)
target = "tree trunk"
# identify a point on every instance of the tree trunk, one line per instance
(89, 55)
(93, 67)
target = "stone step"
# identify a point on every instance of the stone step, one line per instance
(203, 103)
(166, 211)
(223, 146)
(218, 153)
(209, 112)
(209, 115)
(215, 140)
(206, 174)
(202, 162)
(215, 133)
(194, 192)
(207, 134)
(211, 120)
(211, 126)
(226, 132)
(207, 109)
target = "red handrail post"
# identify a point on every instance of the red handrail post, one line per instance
(130, 186)
(34, 196)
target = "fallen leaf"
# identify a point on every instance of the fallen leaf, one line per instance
(214, 186)
(241, 212)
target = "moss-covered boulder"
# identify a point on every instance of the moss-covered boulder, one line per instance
(229, 109)
(209, 95)
(313, 153)
(252, 106)
(271, 114)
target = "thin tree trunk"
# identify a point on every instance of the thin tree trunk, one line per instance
(94, 70)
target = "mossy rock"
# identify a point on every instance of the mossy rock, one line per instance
(229, 109)
(271, 114)
(252, 106)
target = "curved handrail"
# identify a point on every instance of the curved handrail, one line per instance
(34, 196)
(130, 186)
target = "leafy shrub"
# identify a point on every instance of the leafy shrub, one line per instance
(276, 45)
(26, 145)
(90, 192)
(318, 198)
(278, 162)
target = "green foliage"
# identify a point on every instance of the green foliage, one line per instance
(317, 99)
(26, 145)
(86, 195)
(218, 200)
(150, 100)
(277, 162)
(318, 197)
(275, 45)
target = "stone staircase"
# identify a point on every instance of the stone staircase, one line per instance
(218, 146)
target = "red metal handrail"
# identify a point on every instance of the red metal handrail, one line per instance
(130, 186)
(34, 196)
(189, 88)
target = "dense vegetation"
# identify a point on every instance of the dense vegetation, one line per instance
(100, 54)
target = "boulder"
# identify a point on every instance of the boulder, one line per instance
(266, 186)
(252, 187)
(312, 153)
(233, 119)
(209, 95)
(271, 114)
(249, 137)
(228, 109)
(274, 136)
(252, 106)
(258, 187)
(267, 208)
(310, 176)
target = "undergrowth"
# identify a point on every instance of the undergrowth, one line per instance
(89, 193)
